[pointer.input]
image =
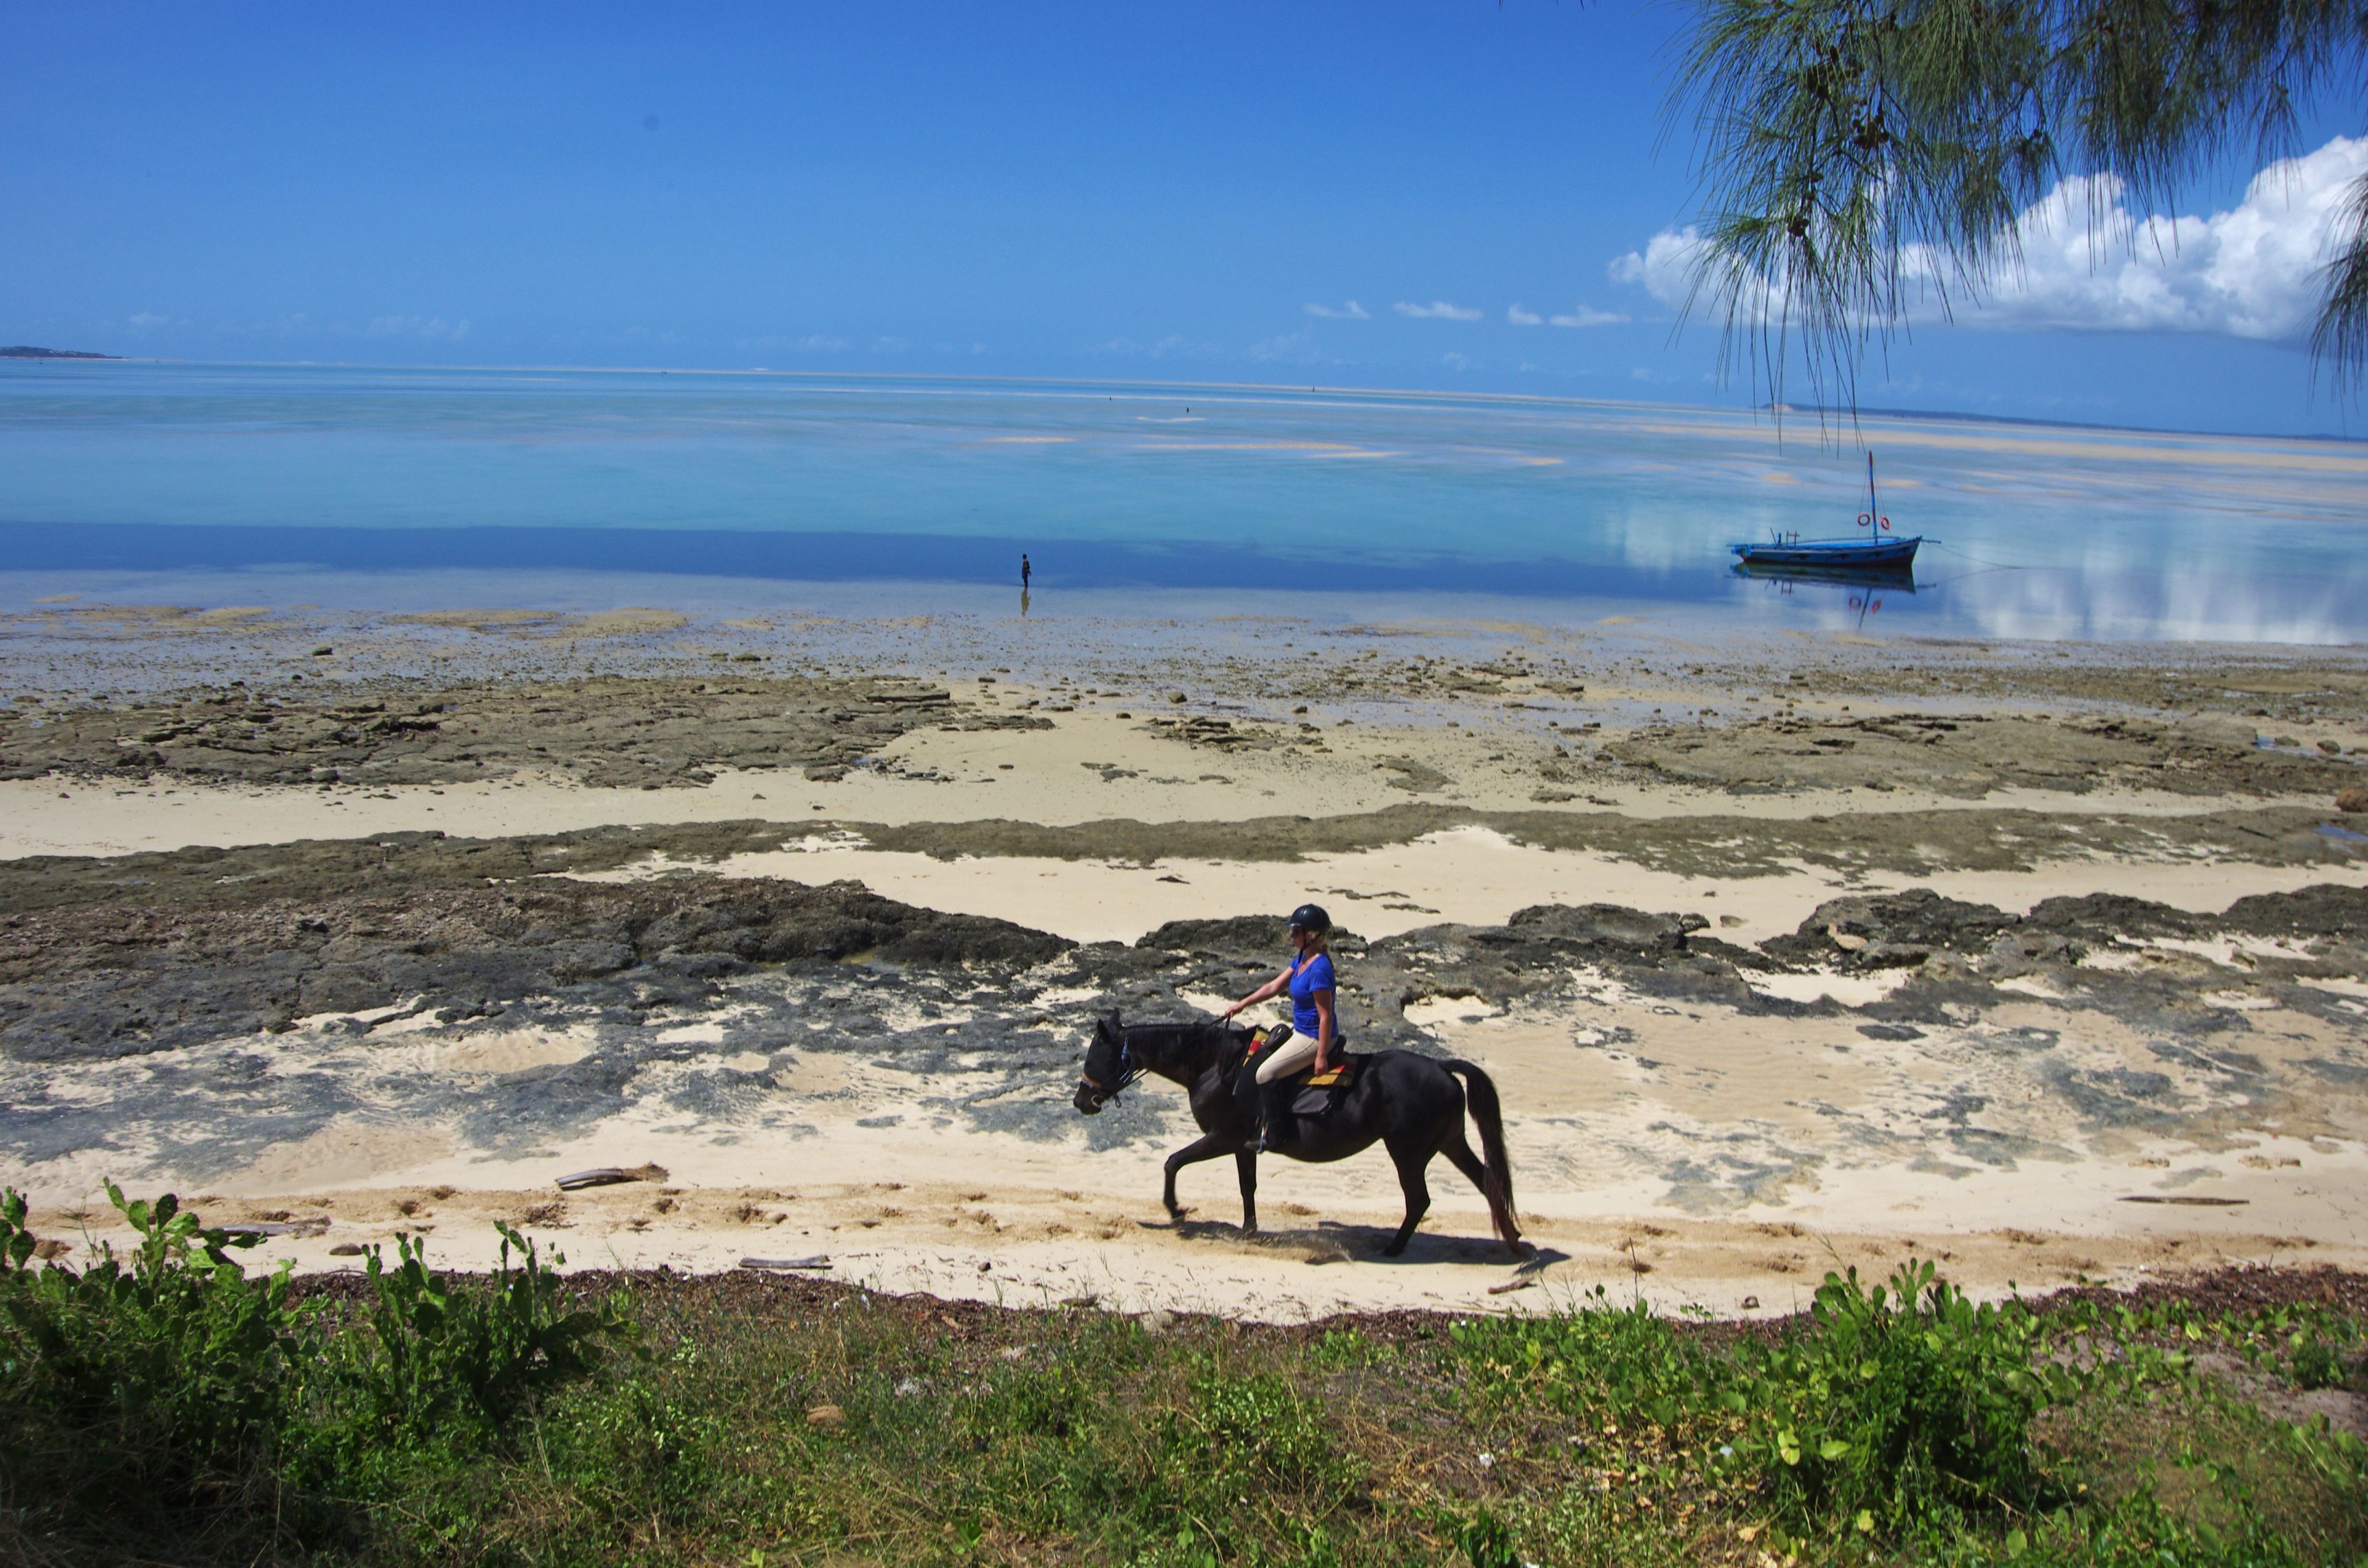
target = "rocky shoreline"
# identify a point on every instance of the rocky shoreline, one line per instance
(199, 965)
(2062, 961)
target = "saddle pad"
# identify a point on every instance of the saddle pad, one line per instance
(1328, 1077)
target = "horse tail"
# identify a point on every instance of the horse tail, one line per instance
(1497, 1185)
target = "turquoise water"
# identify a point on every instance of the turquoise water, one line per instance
(2036, 531)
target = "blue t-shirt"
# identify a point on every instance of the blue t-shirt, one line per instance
(1306, 980)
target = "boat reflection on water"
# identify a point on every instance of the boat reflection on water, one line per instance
(1902, 578)
(1867, 589)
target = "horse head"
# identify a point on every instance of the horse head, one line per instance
(1109, 1066)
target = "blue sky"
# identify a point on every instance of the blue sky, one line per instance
(1285, 193)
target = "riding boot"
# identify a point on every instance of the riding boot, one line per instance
(1275, 1102)
(1245, 1094)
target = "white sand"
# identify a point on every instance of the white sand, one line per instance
(1820, 1145)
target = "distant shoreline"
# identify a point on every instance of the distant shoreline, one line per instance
(1752, 413)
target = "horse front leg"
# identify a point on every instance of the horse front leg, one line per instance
(1245, 1166)
(1207, 1147)
(1413, 1181)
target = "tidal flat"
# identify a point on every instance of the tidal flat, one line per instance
(1786, 951)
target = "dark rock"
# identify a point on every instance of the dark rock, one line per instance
(2100, 917)
(1602, 925)
(2325, 910)
(92, 980)
(1890, 930)
(1242, 934)
(608, 732)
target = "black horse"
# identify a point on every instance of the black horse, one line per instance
(1412, 1105)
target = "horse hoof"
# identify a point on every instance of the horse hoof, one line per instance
(1395, 1249)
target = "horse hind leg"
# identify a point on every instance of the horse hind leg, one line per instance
(1458, 1152)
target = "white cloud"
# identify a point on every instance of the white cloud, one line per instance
(1520, 317)
(1587, 316)
(2256, 270)
(435, 328)
(1665, 267)
(1455, 361)
(813, 342)
(1294, 348)
(1173, 346)
(1438, 310)
(1351, 311)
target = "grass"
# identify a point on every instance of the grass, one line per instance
(163, 1407)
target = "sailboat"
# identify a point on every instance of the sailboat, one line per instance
(1880, 554)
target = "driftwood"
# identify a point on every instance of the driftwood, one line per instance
(610, 1176)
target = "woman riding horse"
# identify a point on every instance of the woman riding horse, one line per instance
(1314, 1029)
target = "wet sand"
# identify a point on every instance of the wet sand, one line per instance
(1783, 951)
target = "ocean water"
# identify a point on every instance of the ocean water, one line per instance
(481, 487)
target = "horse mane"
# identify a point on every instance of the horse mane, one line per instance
(1171, 1039)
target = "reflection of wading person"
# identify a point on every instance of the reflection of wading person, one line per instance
(1310, 1036)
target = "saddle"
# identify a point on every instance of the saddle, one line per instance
(1319, 1092)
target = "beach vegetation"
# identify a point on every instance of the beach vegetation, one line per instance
(1861, 160)
(168, 1405)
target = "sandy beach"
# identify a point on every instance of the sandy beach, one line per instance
(1784, 950)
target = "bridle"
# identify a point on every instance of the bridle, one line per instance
(1129, 1070)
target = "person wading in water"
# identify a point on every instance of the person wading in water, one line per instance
(1311, 1035)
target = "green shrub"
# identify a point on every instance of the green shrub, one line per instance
(1256, 1432)
(2318, 1363)
(2138, 1532)
(161, 1406)
(466, 1359)
(1627, 1363)
(1485, 1539)
(141, 1387)
(1247, 1460)
(1899, 1407)
(165, 1394)
(1345, 1349)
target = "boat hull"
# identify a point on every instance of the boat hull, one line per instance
(1891, 557)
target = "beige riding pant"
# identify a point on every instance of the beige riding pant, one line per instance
(1295, 1051)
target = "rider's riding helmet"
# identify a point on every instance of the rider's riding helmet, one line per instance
(1311, 917)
